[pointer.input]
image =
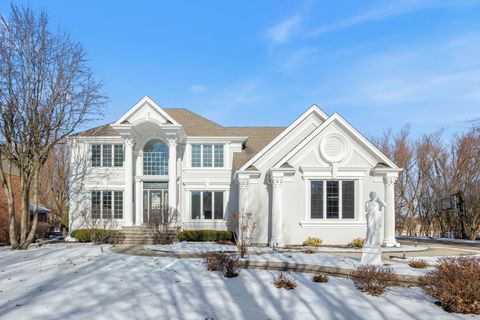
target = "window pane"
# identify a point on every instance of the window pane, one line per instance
(106, 204)
(218, 155)
(107, 155)
(196, 155)
(316, 199)
(118, 155)
(118, 205)
(155, 162)
(348, 200)
(207, 155)
(96, 204)
(207, 205)
(218, 205)
(96, 155)
(332, 199)
(196, 204)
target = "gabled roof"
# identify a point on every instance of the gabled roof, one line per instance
(349, 128)
(314, 109)
(194, 124)
(105, 130)
(139, 105)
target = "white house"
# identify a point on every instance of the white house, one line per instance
(311, 178)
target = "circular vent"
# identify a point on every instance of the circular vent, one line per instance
(333, 148)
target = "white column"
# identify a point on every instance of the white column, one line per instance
(242, 194)
(389, 218)
(138, 191)
(276, 179)
(128, 196)
(172, 172)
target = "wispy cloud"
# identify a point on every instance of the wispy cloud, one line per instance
(281, 32)
(197, 88)
(394, 8)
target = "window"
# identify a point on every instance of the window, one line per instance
(107, 155)
(218, 155)
(155, 158)
(106, 207)
(118, 205)
(196, 155)
(207, 155)
(207, 205)
(96, 155)
(118, 155)
(332, 199)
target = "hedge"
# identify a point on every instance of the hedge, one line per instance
(101, 235)
(205, 235)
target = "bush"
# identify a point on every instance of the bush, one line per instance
(320, 278)
(357, 243)
(374, 279)
(456, 283)
(97, 236)
(312, 242)
(309, 251)
(285, 281)
(224, 263)
(205, 235)
(418, 264)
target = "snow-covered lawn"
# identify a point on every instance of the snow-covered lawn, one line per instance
(75, 281)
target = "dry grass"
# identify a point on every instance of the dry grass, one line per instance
(418, 264)
(374, 279)
(312, 242)
(285, 281)
(320, 278)
(456, 283)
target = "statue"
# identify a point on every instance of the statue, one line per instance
(372, 252)
(373, 215)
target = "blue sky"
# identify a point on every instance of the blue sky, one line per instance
(380, 64)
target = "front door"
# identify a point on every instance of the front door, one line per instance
(154, 199)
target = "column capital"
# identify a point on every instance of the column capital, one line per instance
(172, 141)
(276, 179)
(129, 141)
(389, 181)
(242, 183)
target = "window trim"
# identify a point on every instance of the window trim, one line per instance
(202, 217)
(114, 146)
(113, 198)
(324, 218)
(214, 148)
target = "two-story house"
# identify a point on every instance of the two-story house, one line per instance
(311, 178)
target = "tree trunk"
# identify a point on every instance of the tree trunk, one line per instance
(33, 228)
(7, 184)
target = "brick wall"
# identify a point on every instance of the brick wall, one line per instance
(4, 208)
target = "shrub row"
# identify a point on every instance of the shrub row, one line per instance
(96, 235)
(205, 235)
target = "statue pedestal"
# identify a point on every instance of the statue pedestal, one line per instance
(372, 255)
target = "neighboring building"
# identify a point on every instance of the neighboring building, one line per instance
(311, 178)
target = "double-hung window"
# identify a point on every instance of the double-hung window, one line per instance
(332, 199)
(107, 155)
(207, 205)
(107, 205)
(207, 155)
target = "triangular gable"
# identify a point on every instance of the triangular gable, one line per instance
(155, 113)
(336, 118)
(314, 109)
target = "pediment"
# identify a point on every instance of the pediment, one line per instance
(146, 110)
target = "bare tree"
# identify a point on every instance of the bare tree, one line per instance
(46, 92)
(243, 225)
(163, 225)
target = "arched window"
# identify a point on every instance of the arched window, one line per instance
(155, 158)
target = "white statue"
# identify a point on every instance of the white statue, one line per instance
(373, 208)
(372, 252)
